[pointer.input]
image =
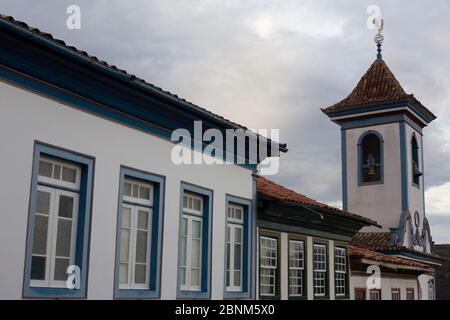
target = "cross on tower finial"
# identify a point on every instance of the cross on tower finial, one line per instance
(379, 38)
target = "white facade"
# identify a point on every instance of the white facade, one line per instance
(26, 117)
(379, 202)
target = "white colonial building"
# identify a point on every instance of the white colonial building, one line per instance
(87, 181)
(383, 179)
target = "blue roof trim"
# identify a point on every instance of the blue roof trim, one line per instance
(51, 61)
(379, 107)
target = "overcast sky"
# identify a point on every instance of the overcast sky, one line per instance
(274, 64)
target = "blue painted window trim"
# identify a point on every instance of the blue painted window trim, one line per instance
(83, 223)
(207, 195)
(344, 169)
(158, 183)
(360, 159)
(247, 236)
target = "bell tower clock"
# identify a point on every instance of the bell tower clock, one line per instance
(382, 155)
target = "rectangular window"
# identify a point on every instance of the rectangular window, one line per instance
(191, 243)
(360, 294)
(59, 220)
(135, 236)
(296, 268)
(194, 242)
(55, 224)
(139, 234)
(340, 271)
(320, 270)
(375, 294)
(410, 294)
(396, 294)
(234, 247)
(268, 251)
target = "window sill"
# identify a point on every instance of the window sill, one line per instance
(53, 293)
(415, 185)
(236, 295)
(193, 295)
(299, 298)
(136, 294)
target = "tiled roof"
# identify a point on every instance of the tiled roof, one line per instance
(356, 252)
(278, 192)
(380, 242)
(133, 78)
(372, 240)
(377, 86)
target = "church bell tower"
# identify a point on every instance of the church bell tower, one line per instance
(382, 154)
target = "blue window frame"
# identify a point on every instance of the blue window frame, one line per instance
(72, 189)
(141, 195)
(237, 248)
(194, 244)
(370, 158)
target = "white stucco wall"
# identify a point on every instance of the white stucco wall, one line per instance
(387, 284)
(381, 202)
(26, 117)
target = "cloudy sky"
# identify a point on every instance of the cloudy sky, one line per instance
(274, 64)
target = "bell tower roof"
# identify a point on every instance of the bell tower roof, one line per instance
(378, 88)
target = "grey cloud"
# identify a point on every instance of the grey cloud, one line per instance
(209, 53)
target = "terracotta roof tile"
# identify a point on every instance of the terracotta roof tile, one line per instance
(278, 192)
(356, 252)
(380, 242)
(377, 86)
(372, 240)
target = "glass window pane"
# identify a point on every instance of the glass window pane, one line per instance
(45, 169)
(183, 275)
(140, 273)
(61, 265)
(237, 278)
(40, 235)
(196, 229)
(185, 202)
(69, 175)
(63, 238)
(183, 251)
(141, 246)
(65, 206)
(43, 202)
(237, 257)
(197, 204)
(126, 217)
(38, 268)
(135, 190)
(57, 172)
(127, 189)
(143, 219)
(228, 256)
(145, 193)
(238, 213)
(123, 273)
(184, 226)
(125, 245)
(238, 235)
(195, 277)
(195, 255)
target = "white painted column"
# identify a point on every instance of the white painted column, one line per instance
(310, 269)
(331, 269)
(284, 266)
